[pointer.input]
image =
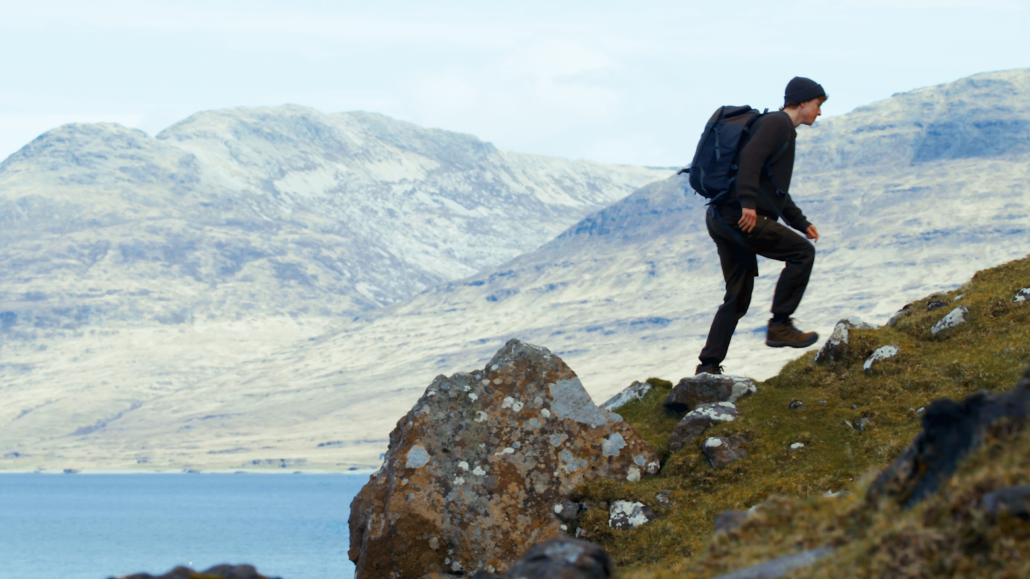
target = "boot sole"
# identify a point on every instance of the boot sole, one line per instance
(805, 344)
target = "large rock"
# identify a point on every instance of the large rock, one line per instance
(699, 420)
(951, 430)
(1022, 295)
(691, 392)
(563, 558)
(475, 470)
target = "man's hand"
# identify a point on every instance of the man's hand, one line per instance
(748, 218)
(812, 233)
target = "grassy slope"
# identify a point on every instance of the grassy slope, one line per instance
(988, 353)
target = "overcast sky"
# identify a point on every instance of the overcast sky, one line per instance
(626, 82)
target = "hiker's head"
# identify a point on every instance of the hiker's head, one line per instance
(803, 99)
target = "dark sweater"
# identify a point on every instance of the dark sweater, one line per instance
(753, 189)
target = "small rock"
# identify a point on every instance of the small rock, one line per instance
(795, 404)
(569, 511)
(563, 557)
(697, 421)
(921, 409)
(881, 354)
(840, 493)
(729, 521)
(935, 305)
(635, 391)
(691, 392)
(821, 402)
(902, 313)
(1014, 500)
(958, 297)
(582, 533)
(724, 451)
(629, 515)
(1022, 295)
(958, 316)
(664, 498)
(837, 345)
(797, 445)
(862, 423)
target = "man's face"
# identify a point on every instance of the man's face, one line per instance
(809, 110)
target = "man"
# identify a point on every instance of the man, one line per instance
(746, 224)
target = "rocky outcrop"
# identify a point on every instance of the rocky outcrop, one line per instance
(635, 391)
(694, 391)
(881, 355)
(724, 451)
(475, 470)
(219, 571)
(563, 558)
(951, 430)
(699, 420)
(956, 317)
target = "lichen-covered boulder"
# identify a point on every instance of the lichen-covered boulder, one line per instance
(475, 470)
(881, 354)
(724, 451)
(700, 419)
(629, 515)
(563, 558)
(691, 392)
(1022, 295)
(634, 391)
(956, 317)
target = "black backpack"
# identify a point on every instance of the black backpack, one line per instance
(714, 168)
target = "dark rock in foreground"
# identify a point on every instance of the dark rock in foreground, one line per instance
(699, 420)
(563, 558)
(481, 467)
(951, 430)
(221, 571)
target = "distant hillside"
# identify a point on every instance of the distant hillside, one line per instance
(251, 212)
(626, 293)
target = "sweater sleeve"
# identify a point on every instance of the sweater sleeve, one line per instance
(793, 215)
(770, 135)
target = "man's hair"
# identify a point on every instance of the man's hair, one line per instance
(792, 105)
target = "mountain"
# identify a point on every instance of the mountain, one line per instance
(249, 212)
(626, 293)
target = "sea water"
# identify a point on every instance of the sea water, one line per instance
(94, 526)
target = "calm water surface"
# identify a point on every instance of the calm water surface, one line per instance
(97, 526)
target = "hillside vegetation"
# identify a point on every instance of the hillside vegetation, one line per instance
(944, 536)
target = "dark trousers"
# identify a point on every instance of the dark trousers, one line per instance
(769, 239)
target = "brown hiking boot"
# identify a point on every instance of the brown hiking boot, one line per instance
(708, 369)
(785, 334)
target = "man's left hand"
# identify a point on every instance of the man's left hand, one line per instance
(812, 233)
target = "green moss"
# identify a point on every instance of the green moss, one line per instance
(987, 353)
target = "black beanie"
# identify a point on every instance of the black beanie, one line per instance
(801, 89)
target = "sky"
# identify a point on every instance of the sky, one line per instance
(620, 82)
